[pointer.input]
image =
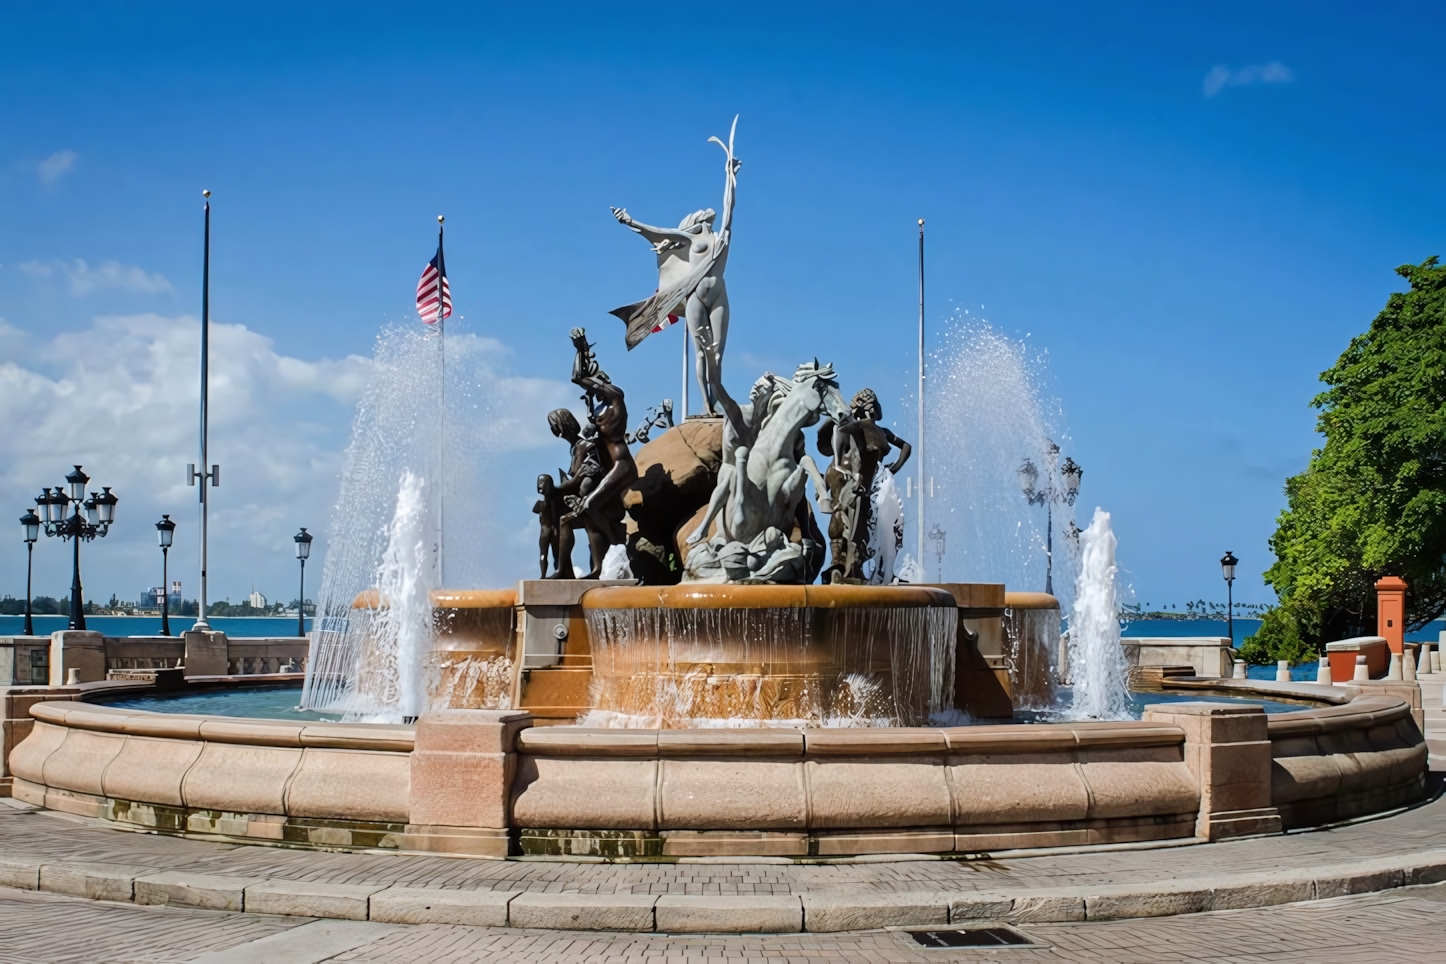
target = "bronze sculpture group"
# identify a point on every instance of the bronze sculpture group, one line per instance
(758, 526)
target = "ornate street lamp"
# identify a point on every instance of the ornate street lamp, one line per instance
(937, 536)
(1070, 474)
(1228, 562)
(31, 522)
(165, 531)
(303, 550)
(99, 512)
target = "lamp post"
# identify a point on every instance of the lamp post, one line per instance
(31, 522)
(1070, 474)
(165, 531)
(303, 550)
(99, 514)
(937, 535)
(1228, 562)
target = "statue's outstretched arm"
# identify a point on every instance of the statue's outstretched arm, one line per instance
(654, 235)
(730, 179)
(606, 391)
(904, 450)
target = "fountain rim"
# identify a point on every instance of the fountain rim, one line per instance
(745, 596)
(447, 599)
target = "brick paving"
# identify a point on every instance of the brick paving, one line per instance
(1401, 927)
(52, 836)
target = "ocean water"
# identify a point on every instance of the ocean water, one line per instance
(233, 626)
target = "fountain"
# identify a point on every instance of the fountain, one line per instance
(750, 682)
(1101, 672)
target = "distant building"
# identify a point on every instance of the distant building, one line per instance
(151, 598)
(256, 600)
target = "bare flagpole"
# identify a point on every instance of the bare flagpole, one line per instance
(212, 473)
(919, 467)
(442, 433)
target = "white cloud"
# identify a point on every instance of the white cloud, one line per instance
(121, 397)
(1221, 76)
(84, 279)
(56, 166)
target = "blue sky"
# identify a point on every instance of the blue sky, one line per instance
(1190, 210)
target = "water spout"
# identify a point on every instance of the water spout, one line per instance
(1097, 660)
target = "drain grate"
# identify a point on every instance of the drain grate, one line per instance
(972, 937)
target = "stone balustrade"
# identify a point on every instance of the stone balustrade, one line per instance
(38, 660)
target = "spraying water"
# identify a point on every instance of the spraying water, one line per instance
(390, 686)
(988, 411)
(396, 430)
(1096, 658)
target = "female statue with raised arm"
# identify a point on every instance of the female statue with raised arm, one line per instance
(691, 259)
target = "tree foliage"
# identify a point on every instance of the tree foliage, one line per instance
(1372, 502)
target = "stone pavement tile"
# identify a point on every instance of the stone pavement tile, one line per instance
(826, 911)
(302, 898)
(97, 881)
(430, 905)
(22, 873)
(677, 914)
(189, 889)
(591, 912)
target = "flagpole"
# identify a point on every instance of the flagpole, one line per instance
(442, 433)
(684, 410)
(207, 473)
(919, 468)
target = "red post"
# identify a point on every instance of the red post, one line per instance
(1391, 612)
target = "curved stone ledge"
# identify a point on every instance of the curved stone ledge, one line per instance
(226, 729)
(466, 781)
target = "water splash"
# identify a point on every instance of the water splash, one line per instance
(1097, 660)
(390, 685)
(399, 426)
(988, 410)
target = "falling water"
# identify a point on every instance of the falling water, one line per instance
(1096, 658)
(799, 667)
(398, 638)
(987, 412)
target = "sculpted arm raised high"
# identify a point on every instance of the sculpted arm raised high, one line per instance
(691, 261)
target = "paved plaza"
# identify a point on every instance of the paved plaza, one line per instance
(1398, 924)
(1364, 891)
(1395, 926)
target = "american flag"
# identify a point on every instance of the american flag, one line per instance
(672, 320)
(433, 286)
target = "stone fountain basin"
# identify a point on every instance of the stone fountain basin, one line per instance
(487, 783)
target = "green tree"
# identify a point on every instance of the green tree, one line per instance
(1372, 502)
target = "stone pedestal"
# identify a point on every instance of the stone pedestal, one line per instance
(461, 781)
(1391, 611)
(206, 654)
(1228, 750)
(76, 649)
(555, 654)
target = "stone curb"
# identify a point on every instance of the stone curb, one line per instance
(815, 912)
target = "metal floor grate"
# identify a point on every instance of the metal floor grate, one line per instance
(995, 936)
